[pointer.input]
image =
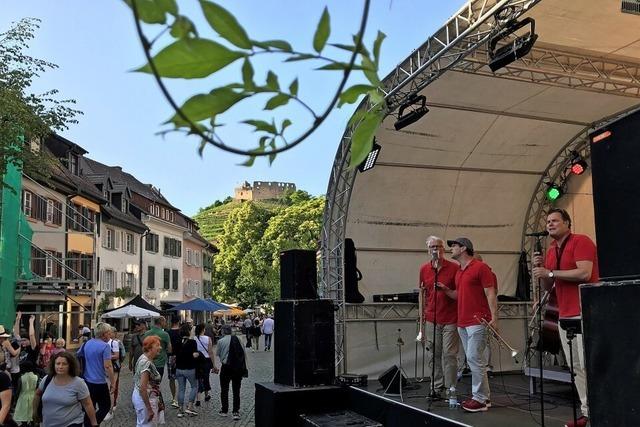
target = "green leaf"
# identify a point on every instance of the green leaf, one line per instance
(168, 6)
(247, 75)
(278, 44)
(192, 59)
(272, 145)
(376, 97)
(277, 101)
(204, 106)
(261, 125)
(285, 124)
(363, 50)
(149, 11)
(376, 47)
(362, 138)
(357, 116)
(249, 162)
(322, 32)
(301, 57)
(370, 71)
(339, 66)
(272, 81)
(351, 95)
(293, 87)
(182, 27)
(225, 24)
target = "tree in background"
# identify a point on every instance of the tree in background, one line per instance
(247, 269)
(24, 114)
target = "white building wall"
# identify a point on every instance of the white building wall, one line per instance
(117, 259)
(160, 261)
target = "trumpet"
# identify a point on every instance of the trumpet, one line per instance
(501, 341)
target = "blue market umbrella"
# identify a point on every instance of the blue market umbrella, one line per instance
(218, 305)
(198, 304)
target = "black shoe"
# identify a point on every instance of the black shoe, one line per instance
(207, 398)
(197, 403)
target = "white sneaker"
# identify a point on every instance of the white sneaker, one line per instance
(109, 416)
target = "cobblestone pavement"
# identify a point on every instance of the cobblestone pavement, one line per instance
(260, 365)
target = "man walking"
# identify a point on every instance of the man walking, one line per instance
(477, 301)
(136, 349)
(98, 369)
(157, 330)
(267, 330)
(570, 260)
(174, 336)
(440, 310)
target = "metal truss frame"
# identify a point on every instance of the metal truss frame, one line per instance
(368, 312)
(472, 26)
(555, 67)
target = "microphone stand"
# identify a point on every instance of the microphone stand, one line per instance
(435, 261)
(538, 248)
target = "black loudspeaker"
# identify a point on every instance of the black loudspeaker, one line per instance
(615, 156)
(304, 342)
(351, 274)
(390, 380)
(298, 274)
(612, 352)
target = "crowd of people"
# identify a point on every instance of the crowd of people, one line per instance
(42, 382)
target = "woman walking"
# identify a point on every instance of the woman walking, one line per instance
(146, 397)
(233, 369)
(63, 394)
(205, 347)
(186, 360)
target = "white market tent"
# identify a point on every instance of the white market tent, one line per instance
(476, 165)
(130, 311)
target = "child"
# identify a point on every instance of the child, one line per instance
(26, 389)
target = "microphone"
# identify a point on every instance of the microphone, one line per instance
(435, 260)
(538, 234)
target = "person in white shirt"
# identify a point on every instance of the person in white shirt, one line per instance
(267, 330)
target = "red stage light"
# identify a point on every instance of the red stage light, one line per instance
(577, 168)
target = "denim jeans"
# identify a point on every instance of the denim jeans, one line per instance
(184, 375)
(474, 341)
(267, 341)
(101, 397)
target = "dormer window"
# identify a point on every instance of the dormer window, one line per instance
(73, 163)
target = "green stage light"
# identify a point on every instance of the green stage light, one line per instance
(554, 192)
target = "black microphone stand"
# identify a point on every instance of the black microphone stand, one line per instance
(432, 395)
(538, 248)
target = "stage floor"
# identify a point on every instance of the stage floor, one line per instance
(512, 405)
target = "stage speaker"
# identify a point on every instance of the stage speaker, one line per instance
(615, 156)
(298, 274)
(351, 274)
(612, 352)
(304, 342)
(390, 380)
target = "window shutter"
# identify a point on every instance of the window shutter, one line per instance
(135, 244)
(116, 238)
(123, 279)
(101, 279)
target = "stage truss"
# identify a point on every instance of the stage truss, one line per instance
(460, 46)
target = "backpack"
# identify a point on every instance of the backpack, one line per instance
(81, 360)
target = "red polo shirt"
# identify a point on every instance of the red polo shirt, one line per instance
(472, 302)
(447, 309)
(577, 247)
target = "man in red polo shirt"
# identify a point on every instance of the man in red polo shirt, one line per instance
(477, 300)
(442, 311)
(571, 260)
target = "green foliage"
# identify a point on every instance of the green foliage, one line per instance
(253, 234)
(191, 56)
(23, 115)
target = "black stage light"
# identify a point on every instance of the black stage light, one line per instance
(517, 48)
(415, 114)
(370, 161)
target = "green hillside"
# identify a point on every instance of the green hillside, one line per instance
(211, 219)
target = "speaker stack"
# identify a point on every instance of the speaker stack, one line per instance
(304, 338)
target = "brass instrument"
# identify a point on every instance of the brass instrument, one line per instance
(501, 341)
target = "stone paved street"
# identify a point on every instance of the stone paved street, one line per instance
(260, 366)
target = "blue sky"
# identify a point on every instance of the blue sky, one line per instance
(95, 45)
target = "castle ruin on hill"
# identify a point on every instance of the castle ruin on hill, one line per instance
(262, 190)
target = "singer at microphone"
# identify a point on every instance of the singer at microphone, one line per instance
(441, 310)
